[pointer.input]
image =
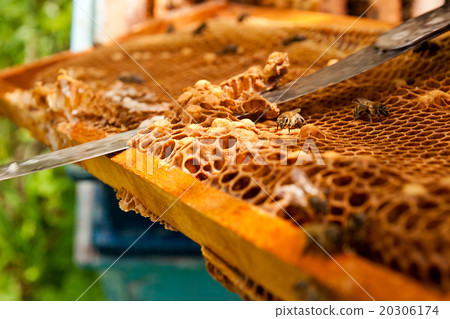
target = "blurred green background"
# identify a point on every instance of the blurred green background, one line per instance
(36, 211)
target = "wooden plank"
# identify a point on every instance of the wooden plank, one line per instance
(21, 76)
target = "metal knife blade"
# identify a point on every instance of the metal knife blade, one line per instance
(70, 155)
(408, 35)
(348, 67)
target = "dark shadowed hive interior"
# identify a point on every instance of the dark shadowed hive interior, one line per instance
(385, 185)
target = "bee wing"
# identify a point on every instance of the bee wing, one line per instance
(362, 100)
(296, 111)
(384, 110)
(293, 194)
(300, 178)
(239, 116)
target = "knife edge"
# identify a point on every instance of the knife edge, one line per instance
(66, 156)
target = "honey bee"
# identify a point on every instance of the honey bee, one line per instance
(356, 232)
(170, 28)
(303, 196)
(290, 119)
(292, 39)
(243, 16)
(430, 47)
(326, 238)
(228, 49)
(309, 290)
(130, 78)
(199, 30)
(365, 106)
(319, 204)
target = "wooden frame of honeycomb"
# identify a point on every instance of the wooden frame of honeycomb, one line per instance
(260, 255)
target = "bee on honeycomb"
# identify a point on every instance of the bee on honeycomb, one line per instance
(323, 237)
(199, 30)
(290, 119)
(371, 108)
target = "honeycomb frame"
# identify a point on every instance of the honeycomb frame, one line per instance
(408, 185)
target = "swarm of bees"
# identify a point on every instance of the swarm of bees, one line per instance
(290, 119)
(365, 106)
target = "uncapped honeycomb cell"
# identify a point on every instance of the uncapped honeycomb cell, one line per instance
(383, 184)
(112, 107)
(410, 231)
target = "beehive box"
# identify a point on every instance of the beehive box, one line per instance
(378, 204)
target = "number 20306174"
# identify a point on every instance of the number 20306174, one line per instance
(409, 310)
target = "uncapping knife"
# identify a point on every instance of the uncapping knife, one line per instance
(388, 46)
(66, 156)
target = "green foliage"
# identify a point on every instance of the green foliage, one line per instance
(36, 211)
(33, 28)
